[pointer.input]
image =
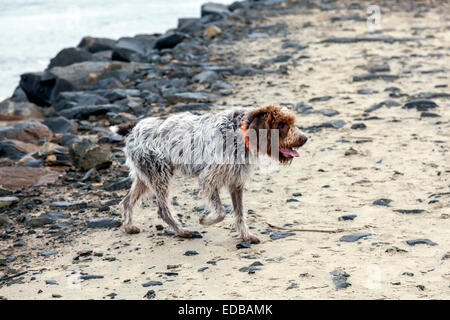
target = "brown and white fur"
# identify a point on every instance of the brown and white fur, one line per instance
(195, 145)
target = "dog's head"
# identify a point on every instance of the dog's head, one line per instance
(271, 118)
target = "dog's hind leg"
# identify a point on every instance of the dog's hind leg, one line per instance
(241, 227)
(159, 184)
(129, 202)
(217, 213)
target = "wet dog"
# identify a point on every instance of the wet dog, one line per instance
(220, 149)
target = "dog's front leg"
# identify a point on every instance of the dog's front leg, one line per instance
(241, 227)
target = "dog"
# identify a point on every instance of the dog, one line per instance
(220, 149)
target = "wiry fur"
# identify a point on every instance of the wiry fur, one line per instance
(194, 145)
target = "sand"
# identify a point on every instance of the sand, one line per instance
(405, 159)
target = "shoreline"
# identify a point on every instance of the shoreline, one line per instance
(374, 152)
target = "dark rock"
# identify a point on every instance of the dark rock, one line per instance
(347, 217)
(69, 56)
(421, 241)
(375, 76)
(420, 104)
(46, 254)
(196, 235)
(243, 245)
(324, 98)
(84, 112)
(344, 40)
(90, 277)
(68, 205)
(420, 287)
(27, 131)
(339, 278)
(191, 107)
(67, 100)
(40, 221)
(51, 282)
(409, 211)
(280, 235)
(5, 221)
(169, 41)
(382, 202)
(354, 237)
(133, 48)
(104, 223)
(60, 125)
(122, 184)
(293, 45)
(217, 11)
(429, 115)
(150, 295)
(15, 150)
(152, 283)
(221, 85)
(87, 155)
(379, 68)
(446, 256)
(358, 126)
(94, 45)
(190, 253)
(190, 97)
(202, 269)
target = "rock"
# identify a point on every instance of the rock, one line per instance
(379, 68)
(46, 254)
(40, 221)
(409, 211)
(359, 126)
(169, 40)
(51, 282)
(280, 235)
(150, 295)
(340, 279)
(196, 235)
(15, 178)
(293, 45)
(90, 277)
(216, 11)
(122, 184)
(135, 48)
(67, 100)
(15, 149)
(382, 202)
(354, 237)
(152, 283)
(84, 112)
(103, 223)
(375, 76)
(94, 45)
(420, 104)
(347, 217)
(27, 131)
(5, 221)
(444, 257)
(221, 85)
(20, 109)
(190, 97)
(252, 268)
(42, 88)
(67, 205)
(212, 31)
(420, 287)
(257, 35)
(60, 125)
(188, 107)
(243, 245)
(421, 241)
(69, 56)
(429, 115)
(191, 253)
(206, 77)
(87, 155)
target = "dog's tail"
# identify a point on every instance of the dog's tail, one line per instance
(123, 129)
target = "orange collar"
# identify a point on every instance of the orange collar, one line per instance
(244, 132)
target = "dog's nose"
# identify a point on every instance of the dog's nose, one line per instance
(303, 140)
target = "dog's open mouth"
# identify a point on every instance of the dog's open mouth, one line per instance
(289, 153)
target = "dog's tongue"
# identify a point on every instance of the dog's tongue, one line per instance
(287, 152)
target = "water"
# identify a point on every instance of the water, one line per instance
(34, 31)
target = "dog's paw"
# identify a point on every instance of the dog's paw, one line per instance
(131, 229)
(251, 238)
(209, 219)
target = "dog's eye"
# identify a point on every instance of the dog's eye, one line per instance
(281, 125)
